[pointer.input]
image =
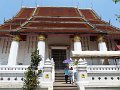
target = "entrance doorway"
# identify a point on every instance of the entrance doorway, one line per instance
(59, 55)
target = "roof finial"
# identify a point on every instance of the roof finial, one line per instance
(100, 16)
(91, 5)
(21, 3)
(109, 22)
(4, 19)
(36, 3)
(77, 4)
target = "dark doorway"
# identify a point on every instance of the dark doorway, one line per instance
(59, 55)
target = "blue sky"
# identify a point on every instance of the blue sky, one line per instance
(106, 9)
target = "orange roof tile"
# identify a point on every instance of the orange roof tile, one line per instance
(16, 20)
(25, 13)
(67, 30)
(45, 24)
(57, 12)
(88, 14)
(8, 27)
(96, 22)
(106, 28)
(57, 19)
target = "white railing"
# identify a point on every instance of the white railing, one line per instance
(13, 69)
(103, 68)
(13, 73)
(104, 75)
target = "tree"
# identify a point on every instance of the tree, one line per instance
(116, 1)
(118, 16)
(31, 75)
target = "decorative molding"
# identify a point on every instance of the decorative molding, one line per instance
(100, 38)
(59, 47)
(77, 38)
(16, 38)
(41, 38)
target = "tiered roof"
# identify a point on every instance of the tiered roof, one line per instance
(57, 20)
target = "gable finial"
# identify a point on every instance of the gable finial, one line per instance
(109, 22)
(100, 16)
(4, 19)
(91, 5)
(36, 3)
(78, 4)
(21, 3)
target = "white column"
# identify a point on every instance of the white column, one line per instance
(101, 44)
(12, 59)
(41, 45)
(77, 43)
(102, 47)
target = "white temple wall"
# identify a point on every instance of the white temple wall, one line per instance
(5, 43)
(25, 49)
(28, 46)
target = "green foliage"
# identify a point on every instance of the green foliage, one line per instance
(118, 16)
(116, 1)
(31, 75)
(76, 63)
(35, 59)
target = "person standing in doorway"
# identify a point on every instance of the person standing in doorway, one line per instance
(66, 72)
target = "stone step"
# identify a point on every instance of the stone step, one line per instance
(59, 74)
(64, 86)
(59, 77)
(60, 84)
(60, 81)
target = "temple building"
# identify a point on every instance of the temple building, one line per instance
(60, 33)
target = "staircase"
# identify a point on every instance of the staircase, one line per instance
(60, 84)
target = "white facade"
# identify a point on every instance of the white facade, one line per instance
(96, 74)
(26, 47)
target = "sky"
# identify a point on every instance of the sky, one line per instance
(106, 9)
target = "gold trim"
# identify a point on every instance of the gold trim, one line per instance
(16, 38)
(76, 38)
(41, 37)
(100, 38)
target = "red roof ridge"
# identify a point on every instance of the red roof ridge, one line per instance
(57, 7)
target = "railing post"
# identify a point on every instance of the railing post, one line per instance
(53, 70)
(47, 74)
(82, 74)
